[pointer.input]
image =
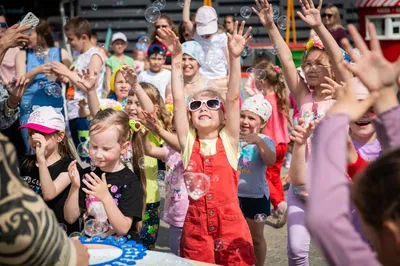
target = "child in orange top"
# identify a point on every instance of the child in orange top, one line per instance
(215, 230)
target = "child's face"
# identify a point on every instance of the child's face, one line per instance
(133, 108)
(206, 119)
(190, 66)
(156, 62)
(33, 39)
(121, 87)
(317, 66)
(75, 42)
(139, 55)
(119, 46)
(52, 141)
(250, 122)
(105, 148)
(363, 128)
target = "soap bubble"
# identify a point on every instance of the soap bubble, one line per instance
(275, 12)
(39, 52)
(26, 105)
(95, 7)
(161, 175)
(246, 51)
(141, 163)
(273, 49)
(260, 74)
(245, 12)
(282, 22)
(143, 43)
(197, 184)
(152, 14)
(93, 164)
(83, 149)
(160, 4)
(260, 217)
(102, 46)
(93, 227)
(181, 3)
(75, 234)
(218, 244)
(57, 90)
(250, 71)
(47, 89)
(191, 166)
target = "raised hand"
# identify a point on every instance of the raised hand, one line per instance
(348, 104)
(331, 87)
(40, 143)
(300, 133)
(238, 40)
(371, 68)
(96, 187)
(130, 75)
(251, 138)
(16, 88)
(88, 80)
(264, 12)
(169, 39)
(150, 122)
(15, 36)
(311, 15)
(73, 174)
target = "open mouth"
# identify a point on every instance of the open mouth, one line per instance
(204, 117)
(364, 123)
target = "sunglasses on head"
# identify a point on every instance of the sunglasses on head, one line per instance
(327, 15)
(212, 104)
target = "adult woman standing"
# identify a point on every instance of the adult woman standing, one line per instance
(31, 64)
(332, 21)
(164, 22)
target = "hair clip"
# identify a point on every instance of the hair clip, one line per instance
(277, 69)
(135, 125)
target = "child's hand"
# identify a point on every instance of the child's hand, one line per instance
(169, 39)
(16, 88)
(331, 87)
(237, 40)
(371, 68)
(88, 80)
(300, 133)
(311, 15)
(129, 75)
(150, 122)
(74, 175)
(59, 68)
(264, 12)
(98, 187)
(251, 138)
(40, 144)
(347, 103)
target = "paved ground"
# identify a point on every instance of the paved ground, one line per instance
(276, 242)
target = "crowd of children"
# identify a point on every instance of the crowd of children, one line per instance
(223, 155)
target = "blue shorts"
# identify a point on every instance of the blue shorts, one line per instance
(251, 207)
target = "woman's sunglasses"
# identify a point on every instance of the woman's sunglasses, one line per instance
(327, 15)
(212, 104)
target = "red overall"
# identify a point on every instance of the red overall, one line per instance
(215, 230)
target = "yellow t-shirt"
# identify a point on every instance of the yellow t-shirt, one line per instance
(151, 170)
(209, 147)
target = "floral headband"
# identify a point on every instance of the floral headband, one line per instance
(314, 42)
(277, 69)
(110, 103)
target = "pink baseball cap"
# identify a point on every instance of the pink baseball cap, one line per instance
(45, 120)
(206, 21)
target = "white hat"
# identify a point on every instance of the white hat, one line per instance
(46, 120)
(193, 49)
(258, 105)
(206, 20)
(119, 36)
(361, 91)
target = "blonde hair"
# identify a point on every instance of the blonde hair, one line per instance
(108, 118)
(162, 113)
(274, 77)
(336, 16)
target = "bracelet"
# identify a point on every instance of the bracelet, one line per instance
(10, 102)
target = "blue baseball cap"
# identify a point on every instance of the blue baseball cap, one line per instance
(156, 49)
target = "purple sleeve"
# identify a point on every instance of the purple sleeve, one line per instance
(328, 216)
(387, 126)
